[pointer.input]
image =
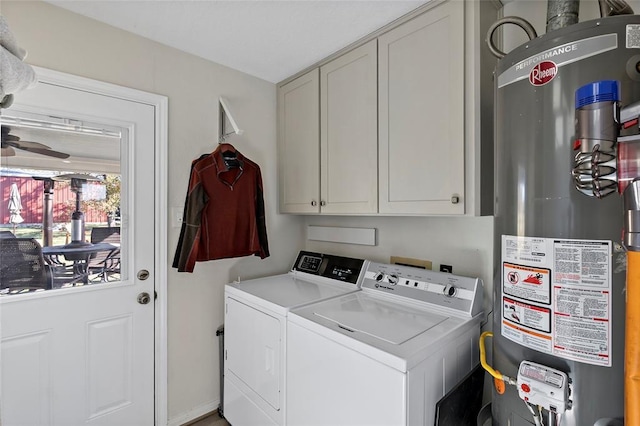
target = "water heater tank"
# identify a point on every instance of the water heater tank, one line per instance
(559, 269)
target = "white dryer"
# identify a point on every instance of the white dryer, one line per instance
(255, 331)
(384, 355)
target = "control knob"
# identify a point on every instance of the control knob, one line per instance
(393, 279)
(378, 276)
(450, 290)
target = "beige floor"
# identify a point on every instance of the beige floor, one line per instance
(211, 420)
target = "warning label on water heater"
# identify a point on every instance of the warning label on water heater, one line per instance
(556, 296)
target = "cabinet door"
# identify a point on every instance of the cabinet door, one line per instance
(299, 144)
(421, 106)
(349, 134)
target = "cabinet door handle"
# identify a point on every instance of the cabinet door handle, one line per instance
(323, 203)
(314, 203)
(455, 199)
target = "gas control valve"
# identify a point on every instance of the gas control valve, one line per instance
(544, 386)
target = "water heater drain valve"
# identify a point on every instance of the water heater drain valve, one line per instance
(543, 386)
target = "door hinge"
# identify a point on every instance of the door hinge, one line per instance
(225, 354)
(155, 295)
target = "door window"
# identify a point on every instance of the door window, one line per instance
(63, 206)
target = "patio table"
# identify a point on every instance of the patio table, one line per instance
(79, 254)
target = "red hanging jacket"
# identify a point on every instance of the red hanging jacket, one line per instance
(224, 211)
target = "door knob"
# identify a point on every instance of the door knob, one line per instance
(143, 274)
(144, 298)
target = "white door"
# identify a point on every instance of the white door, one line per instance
(85, 355)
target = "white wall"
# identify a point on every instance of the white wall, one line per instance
(63, 41)
(466, 243)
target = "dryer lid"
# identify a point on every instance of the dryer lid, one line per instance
(290, 290)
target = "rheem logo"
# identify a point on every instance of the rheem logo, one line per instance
(543, 73)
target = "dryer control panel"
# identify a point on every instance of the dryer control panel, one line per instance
(462, 294)
(330, 266)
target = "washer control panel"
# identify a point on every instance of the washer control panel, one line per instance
(463, 294)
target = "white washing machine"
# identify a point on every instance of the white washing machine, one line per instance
(384, 355)
(255, 331)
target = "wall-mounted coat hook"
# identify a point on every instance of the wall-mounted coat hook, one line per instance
(224, 113)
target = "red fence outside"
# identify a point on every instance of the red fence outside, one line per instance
(32, 198)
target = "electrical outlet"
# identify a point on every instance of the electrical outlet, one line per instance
(446, 268)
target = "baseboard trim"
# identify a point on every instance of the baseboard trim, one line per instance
(194, 414)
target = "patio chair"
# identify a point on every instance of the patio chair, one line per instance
(62, 270)
(22, 266)
(108, 262)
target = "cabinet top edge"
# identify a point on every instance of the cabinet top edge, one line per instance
(375, 34)
(380, 31)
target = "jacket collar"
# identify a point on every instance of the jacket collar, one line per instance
(221, 166)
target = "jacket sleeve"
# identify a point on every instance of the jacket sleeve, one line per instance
(261, 218)
(183, 228)
(189, 243)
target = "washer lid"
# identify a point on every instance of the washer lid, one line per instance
(394, 331)
(379, 318)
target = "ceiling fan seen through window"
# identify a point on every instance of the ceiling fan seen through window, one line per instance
(9, 143)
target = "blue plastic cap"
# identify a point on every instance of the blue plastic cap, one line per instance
(598, 91)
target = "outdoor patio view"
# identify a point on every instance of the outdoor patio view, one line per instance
(44, 209)
(59, 227)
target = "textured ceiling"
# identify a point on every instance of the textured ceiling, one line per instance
(268, 39)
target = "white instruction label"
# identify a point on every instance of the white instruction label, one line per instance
(633, 36)
(556, 296)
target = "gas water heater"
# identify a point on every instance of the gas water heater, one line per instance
(560, 273)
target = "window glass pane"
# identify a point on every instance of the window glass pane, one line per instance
(60, 211)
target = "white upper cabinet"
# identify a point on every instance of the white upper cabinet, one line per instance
(328, 137)
(421, 107)
(348, 132)
(400, 125)
(299, 144)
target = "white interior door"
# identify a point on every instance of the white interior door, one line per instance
(85, 354)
